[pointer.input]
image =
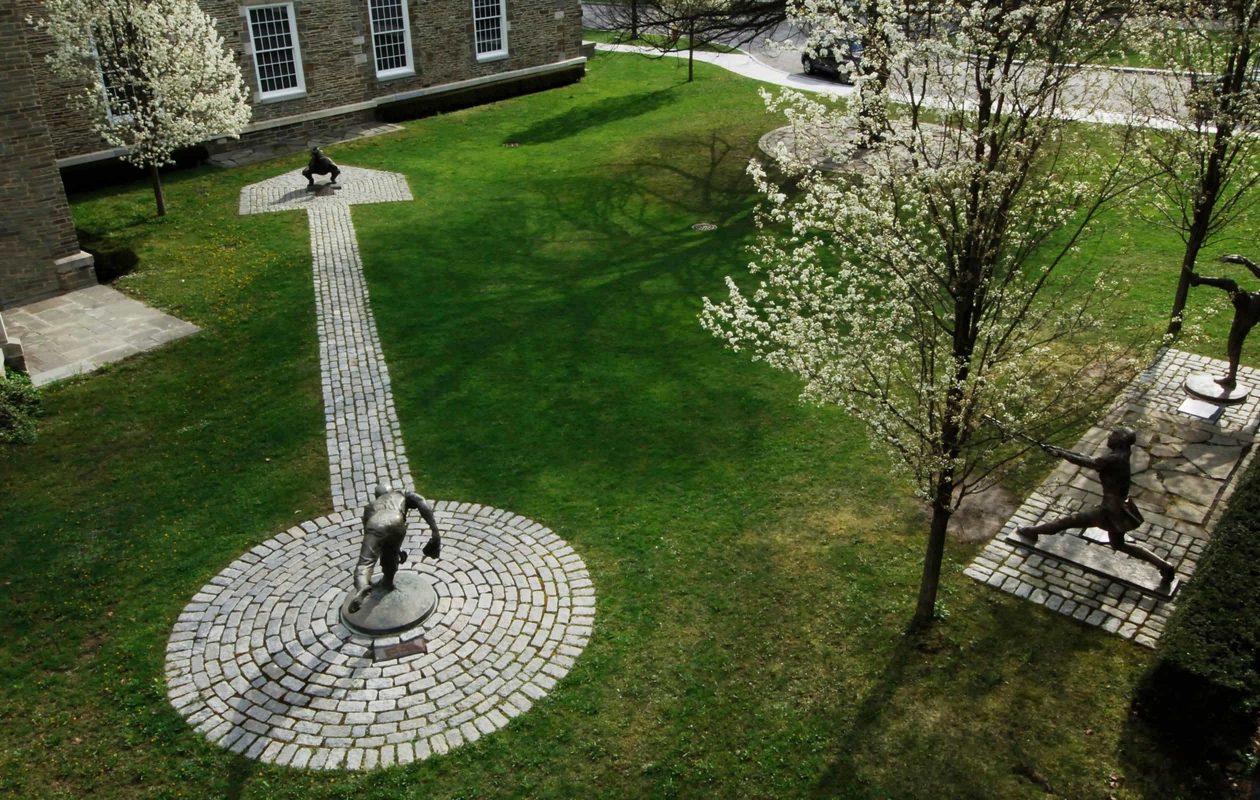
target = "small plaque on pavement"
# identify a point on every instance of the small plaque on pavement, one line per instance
(1200, 409)
(410, 647)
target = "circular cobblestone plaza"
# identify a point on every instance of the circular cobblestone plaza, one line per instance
(261, 663)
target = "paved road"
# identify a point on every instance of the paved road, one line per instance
(1099, 95)
(779, 49)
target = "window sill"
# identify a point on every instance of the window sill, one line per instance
(278, 97)
(395, 74)
(499, 56)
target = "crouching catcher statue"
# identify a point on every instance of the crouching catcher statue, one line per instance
(1117, 514)
(384, 528)
(320, 165)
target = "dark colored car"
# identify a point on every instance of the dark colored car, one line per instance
(827, 63)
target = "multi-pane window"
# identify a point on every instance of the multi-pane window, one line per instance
(489, 32)
(114, 83)
(391, 37)
(277, 57)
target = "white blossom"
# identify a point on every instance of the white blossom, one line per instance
(942, 286)
(156, 75)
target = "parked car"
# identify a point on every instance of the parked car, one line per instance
(826, 62)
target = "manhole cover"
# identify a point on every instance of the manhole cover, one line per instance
(704, 226)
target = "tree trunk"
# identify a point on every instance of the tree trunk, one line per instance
(1194, 243)
(925, 609)
(691, 50)
(1205, 204)
(156, 179)
(634, 20)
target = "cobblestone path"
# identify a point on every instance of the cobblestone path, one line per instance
(364, 441)
(260, 662)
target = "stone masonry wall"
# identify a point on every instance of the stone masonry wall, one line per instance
(70, 125)
(36, 229)
(298, 137)
(334, 38)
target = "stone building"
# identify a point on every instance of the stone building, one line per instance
(42, 256)
(315, 67)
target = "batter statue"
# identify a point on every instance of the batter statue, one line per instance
(384, 528)
(1117, 514)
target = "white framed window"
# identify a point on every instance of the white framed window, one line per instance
(277, 56)
(490, 28)
(112, 91)
(391, 38)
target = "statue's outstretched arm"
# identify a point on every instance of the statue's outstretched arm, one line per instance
(1246, 262)
(1073, 457)
(433, 548)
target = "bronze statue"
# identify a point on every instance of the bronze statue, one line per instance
(384, 527)
(1117, 514)
(1246, 312)
(320, 165)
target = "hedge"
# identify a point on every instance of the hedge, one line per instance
(19, 405)
(1203, 691)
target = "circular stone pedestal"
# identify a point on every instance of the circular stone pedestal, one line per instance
(261, 661)
(384, 611)
(1205, 386)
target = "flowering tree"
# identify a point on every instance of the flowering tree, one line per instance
(944, 286)
(156, 72)
(1210, 51)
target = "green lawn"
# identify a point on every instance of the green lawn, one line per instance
(754, 562)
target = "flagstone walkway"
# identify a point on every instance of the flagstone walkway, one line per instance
(260, 662)
(1184, 469)
(83, 330)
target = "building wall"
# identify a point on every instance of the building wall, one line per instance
(334, 37)
(41, 251)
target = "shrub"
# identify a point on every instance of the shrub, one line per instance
(111, 260)
(19, 405)
(1203, 693)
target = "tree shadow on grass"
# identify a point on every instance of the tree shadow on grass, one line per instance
(1172, 738)
(712, 184)
(579, 120)
(701, 177)
(977, 715)
(240, 770)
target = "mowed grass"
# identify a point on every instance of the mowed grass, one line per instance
(755, 559)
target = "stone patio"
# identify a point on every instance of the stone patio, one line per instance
(83, 330)
(1184, 469)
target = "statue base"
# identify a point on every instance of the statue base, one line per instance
(1204, 385)
(1085, 552)
(409, 603)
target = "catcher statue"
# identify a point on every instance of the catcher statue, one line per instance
(320, 165)
(384, 528)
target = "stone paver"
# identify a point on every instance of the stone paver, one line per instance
(260, 662)
(1184, 468)
(81, 331)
